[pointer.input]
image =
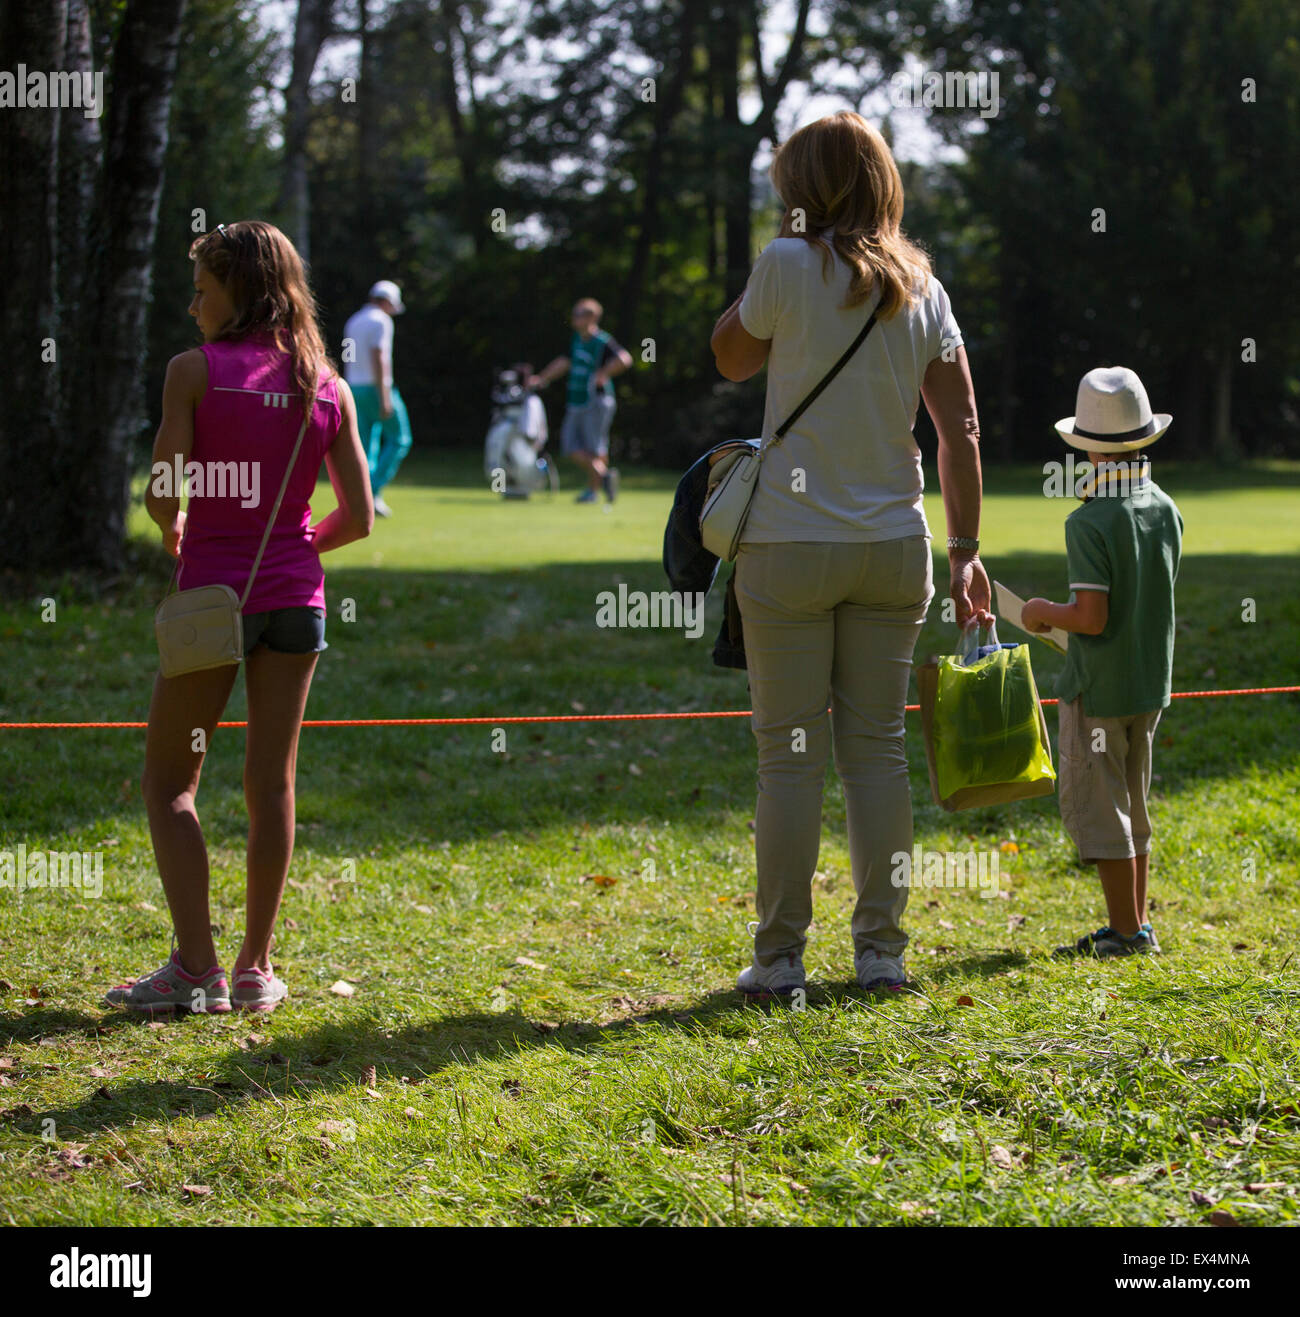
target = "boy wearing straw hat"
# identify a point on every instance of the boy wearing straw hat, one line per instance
(1122, 550)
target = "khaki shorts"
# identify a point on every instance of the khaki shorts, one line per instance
(1105, 772)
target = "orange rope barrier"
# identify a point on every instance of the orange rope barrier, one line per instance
(584, 717)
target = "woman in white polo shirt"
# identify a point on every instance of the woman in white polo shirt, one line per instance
(834, 574)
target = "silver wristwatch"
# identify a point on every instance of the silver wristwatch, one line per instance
(963, 542)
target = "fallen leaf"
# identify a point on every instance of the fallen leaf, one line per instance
(369, 1077)
(1009, 848)
(512, 1087)
(6, 986)
(7, 1063)
(411, 1111)
(333, 1127)
(999, 1156)
(963, 1000)
(96, 1072)
(1014, 922)
(1222, 1218)
(1259, 1187)
(196, 1190)
(600, 879)
(530, 962)
(342, 989)
(945, 924)
(1200, 1200)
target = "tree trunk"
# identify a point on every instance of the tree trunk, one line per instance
(1008, 394)
(667, 107)
(367, 139)
(313, 25)
(463, 133)
(734, 152)
(1221, 440)
(111, 408)
(31, 428)
(740, 140)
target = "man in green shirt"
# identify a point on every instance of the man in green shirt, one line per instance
(1122, 550)
(593, 361)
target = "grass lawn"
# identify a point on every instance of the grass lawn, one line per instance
(526, 1044)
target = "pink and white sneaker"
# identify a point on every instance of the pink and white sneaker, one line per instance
(172, 988)
(256, 990)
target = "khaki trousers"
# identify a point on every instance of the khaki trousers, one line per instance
(838, 623)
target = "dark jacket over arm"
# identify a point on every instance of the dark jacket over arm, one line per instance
(690, 567)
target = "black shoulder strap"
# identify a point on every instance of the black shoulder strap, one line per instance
(826, 379)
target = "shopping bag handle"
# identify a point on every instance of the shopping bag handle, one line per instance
(971, 642)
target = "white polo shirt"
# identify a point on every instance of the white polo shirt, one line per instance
(368, 328)
(850, 468)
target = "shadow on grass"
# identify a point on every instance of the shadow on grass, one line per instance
(333, 1057)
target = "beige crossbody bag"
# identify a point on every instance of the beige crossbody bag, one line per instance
(733, 477)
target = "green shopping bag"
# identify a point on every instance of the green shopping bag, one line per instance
(985, 733)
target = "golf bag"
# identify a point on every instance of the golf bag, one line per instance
(513, 460)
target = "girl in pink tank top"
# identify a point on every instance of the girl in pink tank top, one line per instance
(250, 414)
(232, 410)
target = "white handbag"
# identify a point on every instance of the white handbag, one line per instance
(204, 627)
(733, 472)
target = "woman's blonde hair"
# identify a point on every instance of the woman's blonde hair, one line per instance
(839, 173)
(263, 275)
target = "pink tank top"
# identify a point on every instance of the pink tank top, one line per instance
(249, 417)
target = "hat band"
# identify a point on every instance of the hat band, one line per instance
(1123, 437)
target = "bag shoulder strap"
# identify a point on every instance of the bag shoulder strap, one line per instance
(275, 511)
(826, 379)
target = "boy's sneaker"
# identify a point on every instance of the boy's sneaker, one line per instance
(879, 969)
(587, 496)
(776, 980)
(381, 508)
(171, 989)
(610, 482)
(1105, 943)
(256, 990)
(1151, 937)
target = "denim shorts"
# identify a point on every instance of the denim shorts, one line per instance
(286, 630)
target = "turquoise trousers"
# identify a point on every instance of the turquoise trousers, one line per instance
(386, 440)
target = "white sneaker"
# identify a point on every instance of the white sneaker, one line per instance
(879, 969)
(780, 979)
(381, 508)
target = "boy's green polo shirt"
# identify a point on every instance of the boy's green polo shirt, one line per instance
(586, 357)
(1129, 545)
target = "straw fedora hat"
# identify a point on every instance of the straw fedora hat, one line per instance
(1112, 414)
